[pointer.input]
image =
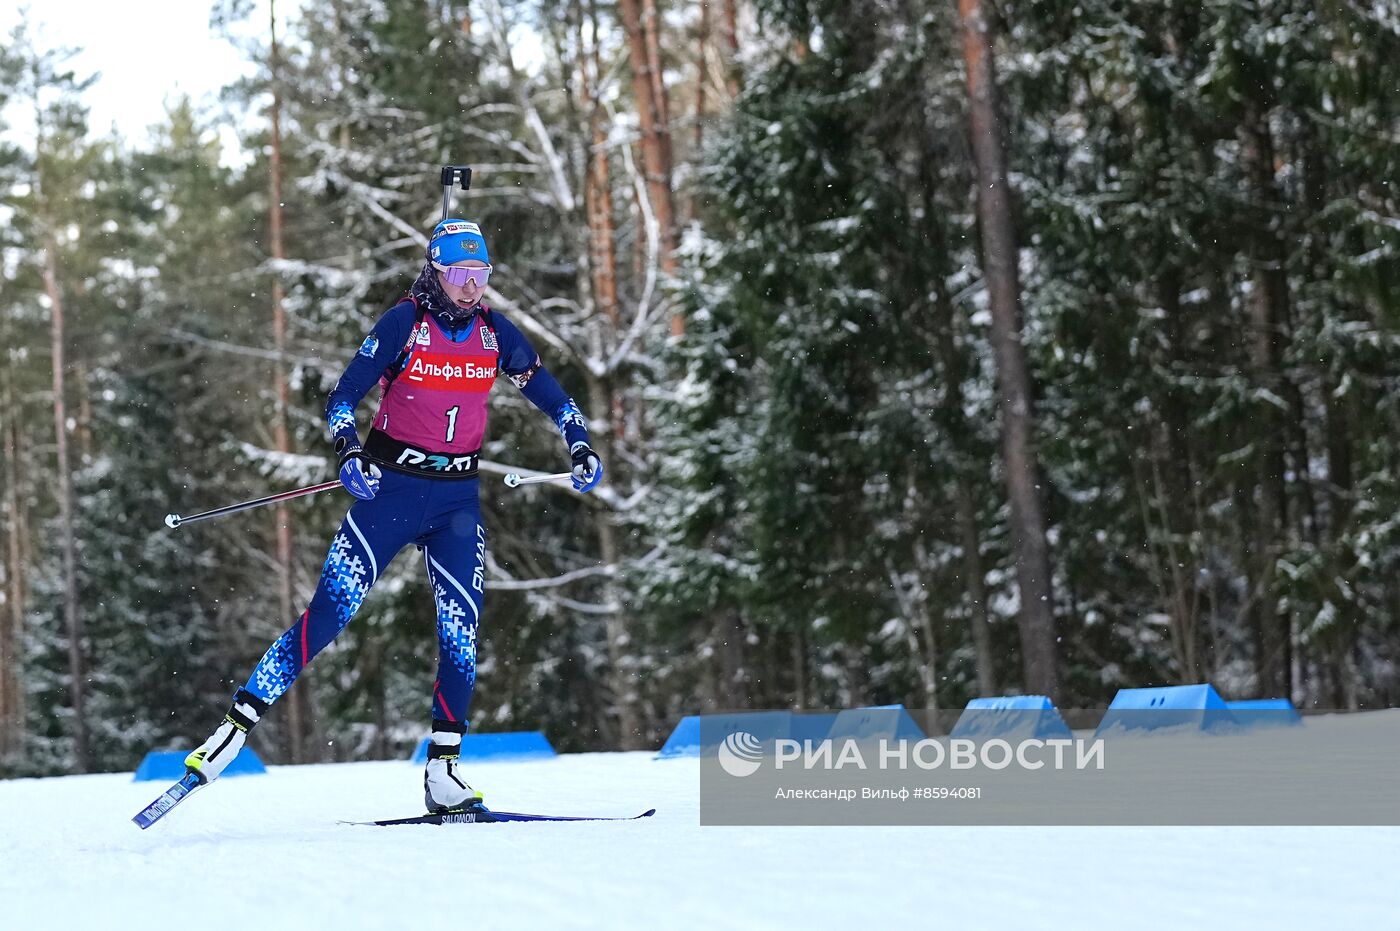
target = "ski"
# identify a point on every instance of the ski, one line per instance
(488, 816)
(168, 799)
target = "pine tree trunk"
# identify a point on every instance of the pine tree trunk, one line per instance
(602, 284)
(1268, 309)
(656, 71)
(11, 625)
(649, 90)
(697, 139)
(951, 357)
(976, 588)
(622, 680)
(598, 206)
(21, 558)
(598, 202)
(72, 618)
(83, 428)
(1174, 468)
(1014, 396)
(282, 515)
(731, 46)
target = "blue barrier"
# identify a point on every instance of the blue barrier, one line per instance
(813, 726)
(1265, 712)
(503, 746)
(169, 765)
(1011, 717)
(890, 722)
(684, 740)
(1179, 707)
(766, 726)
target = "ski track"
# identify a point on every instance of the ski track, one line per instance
(266, 852)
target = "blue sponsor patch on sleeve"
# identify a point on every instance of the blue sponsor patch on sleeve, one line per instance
(370, 346)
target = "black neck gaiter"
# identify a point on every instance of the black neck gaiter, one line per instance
(428, 292)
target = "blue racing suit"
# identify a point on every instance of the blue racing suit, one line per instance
(438, 513)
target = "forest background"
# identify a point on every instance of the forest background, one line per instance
(935, 349)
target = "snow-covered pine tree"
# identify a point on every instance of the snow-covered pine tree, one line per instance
(812, 524)
(1154, 244)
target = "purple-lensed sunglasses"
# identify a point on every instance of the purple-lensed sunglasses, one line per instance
(461, 274)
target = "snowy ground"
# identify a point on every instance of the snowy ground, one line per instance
(266, 852)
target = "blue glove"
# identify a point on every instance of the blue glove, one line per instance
(358, 474)
(588, 468)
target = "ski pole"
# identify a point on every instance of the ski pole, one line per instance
(175, 520)
(513, 479)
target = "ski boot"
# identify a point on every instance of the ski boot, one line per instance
(214, 755)
(444, 790)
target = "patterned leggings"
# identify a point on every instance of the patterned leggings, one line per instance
(443, 517)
